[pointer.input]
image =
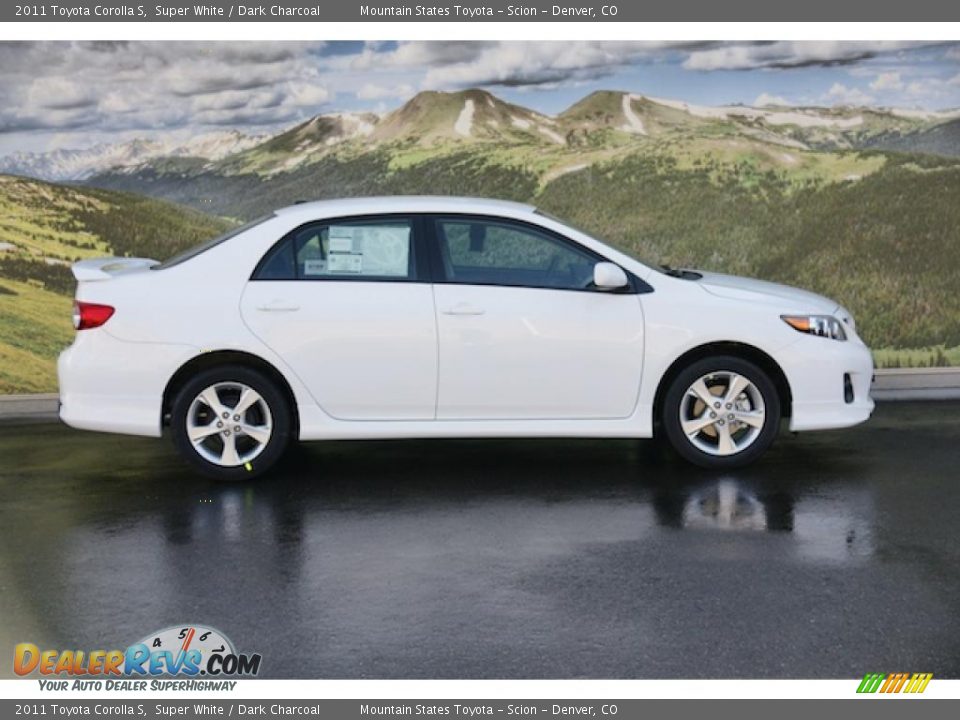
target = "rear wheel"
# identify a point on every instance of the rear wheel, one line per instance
(721, 412)
(230, 423)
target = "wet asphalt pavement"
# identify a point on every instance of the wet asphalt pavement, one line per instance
(837, 554)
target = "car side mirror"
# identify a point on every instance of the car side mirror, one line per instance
(609, 276)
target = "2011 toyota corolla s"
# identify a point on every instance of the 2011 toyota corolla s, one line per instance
(406, 317)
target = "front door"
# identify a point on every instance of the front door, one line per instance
(523, 334)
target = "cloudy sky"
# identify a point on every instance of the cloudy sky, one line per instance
(55, 95)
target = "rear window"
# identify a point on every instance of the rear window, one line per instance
(206, 245)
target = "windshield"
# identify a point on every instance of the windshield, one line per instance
(206, 245)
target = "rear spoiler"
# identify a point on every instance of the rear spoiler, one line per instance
(108, 267)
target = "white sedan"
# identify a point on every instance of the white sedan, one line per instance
(412, 317)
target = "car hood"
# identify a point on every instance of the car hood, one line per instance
(741, 288)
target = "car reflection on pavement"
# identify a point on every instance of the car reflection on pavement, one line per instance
(542, 558)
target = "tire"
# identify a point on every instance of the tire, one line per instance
(265, 423)
(732, 435)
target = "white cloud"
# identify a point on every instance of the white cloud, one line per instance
(58, 93)
(746, 56)
(887, 81)
(840, 94)
(373, 91)
(417, 54)
(510, 64)
(520, 64)
(308, 93)
(118, 86)
(766, 100)
(933, 88)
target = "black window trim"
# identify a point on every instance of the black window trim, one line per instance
(428, 265)
(635, 286)
(421, 268)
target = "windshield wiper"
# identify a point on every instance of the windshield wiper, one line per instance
(672, 272)
(679, 273)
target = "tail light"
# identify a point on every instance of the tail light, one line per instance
(90, 315)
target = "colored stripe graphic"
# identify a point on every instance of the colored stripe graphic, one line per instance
(871, 682)
(919, 682)
(894, 682)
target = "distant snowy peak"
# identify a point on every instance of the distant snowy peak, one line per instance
(216, 145)
(70, 164)
(78, 164)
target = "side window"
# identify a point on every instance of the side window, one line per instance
(493, 252)
(375, 249)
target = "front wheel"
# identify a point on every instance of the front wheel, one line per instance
(230, 423)
(721, 412)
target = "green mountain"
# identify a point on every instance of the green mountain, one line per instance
(800, 195)
(940, 139)
(43, 229)
(858, 203)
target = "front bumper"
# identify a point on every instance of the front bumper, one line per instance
(829, 381)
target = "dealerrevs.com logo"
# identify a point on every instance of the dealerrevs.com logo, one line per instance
(184, 651)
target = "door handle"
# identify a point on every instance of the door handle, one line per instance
(463, 309)
(278, 306)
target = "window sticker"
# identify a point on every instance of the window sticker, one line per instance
(341, 239)
(345, 263)
(369, 249)
(314, 267)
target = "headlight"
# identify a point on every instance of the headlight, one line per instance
(825, 326)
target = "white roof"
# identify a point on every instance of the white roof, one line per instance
(407, 203)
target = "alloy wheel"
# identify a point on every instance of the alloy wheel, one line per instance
(722, 413)
(229, 424)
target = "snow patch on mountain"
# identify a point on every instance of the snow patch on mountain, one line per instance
(355, 125)
(912, 114)
(773, 117)
(464, 121)
(634, 122)
(556, 137)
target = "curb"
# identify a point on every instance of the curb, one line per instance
(916, 384)
(888, 386)
(29, 407)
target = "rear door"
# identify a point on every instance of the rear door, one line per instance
(347, 304)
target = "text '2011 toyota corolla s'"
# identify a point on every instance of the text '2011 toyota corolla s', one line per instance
(409, 317)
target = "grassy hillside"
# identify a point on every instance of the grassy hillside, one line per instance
(944, 139)
(887, 244)
(34, 327)
(43, 228)
(878, 231)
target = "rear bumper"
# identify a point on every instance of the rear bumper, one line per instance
(115, 386)
(816, 370)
